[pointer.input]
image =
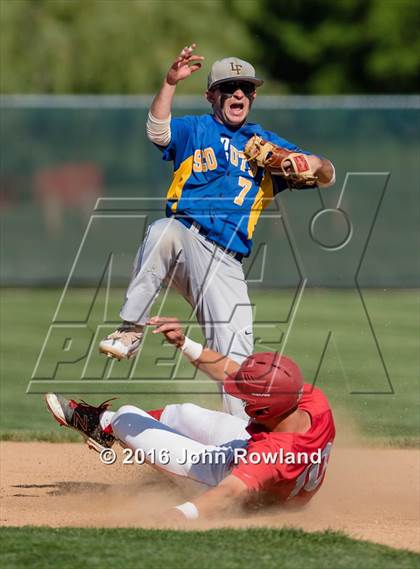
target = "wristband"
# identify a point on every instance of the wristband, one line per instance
(192, 350)
(189, 510)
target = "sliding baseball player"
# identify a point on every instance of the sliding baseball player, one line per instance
(280, 454)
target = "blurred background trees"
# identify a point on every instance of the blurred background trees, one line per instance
(125, 46)
(336, 46)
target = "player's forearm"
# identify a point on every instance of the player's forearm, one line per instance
(161, 106)
(229, 493)
(158, 125)
(323, 169)
(215, 365)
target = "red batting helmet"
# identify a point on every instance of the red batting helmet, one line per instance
(270, 384)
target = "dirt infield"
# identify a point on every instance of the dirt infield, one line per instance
(370, 494)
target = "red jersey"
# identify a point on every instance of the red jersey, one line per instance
(290, 466)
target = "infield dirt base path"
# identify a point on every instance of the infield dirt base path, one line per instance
(370, 494)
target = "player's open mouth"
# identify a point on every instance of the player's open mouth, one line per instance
(236, 108)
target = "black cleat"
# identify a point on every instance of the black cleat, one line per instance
(82, 417)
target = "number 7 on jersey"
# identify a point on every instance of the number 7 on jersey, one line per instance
(246, 185)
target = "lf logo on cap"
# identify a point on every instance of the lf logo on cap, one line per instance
(236, 67)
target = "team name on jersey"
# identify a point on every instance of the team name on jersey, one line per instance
(234, 156)
(205, 160)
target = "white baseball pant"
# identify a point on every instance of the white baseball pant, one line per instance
(211, 280)
(188, 440)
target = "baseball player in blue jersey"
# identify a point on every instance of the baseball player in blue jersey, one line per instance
(213, 205)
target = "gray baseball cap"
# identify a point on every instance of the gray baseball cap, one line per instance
(232, 69)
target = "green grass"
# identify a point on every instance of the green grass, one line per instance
(225, 548)
(350, 372)
(58, 436)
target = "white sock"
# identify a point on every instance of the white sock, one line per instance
(106, 418)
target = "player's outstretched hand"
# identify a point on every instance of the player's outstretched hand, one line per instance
(184, 65)
(170, 327)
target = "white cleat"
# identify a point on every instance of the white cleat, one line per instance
(124, 343)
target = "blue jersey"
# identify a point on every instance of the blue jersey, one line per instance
(213, 184)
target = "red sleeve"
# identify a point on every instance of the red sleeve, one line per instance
(261, 466)
(156, 413)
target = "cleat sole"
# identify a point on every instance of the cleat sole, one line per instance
(55, 409)
(109, 353)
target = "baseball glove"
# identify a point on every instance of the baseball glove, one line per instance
(293, 167)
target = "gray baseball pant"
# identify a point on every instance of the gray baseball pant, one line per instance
(208, 278)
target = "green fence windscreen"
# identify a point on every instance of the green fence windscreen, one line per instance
(59, 159)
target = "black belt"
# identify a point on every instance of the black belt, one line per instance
(191, 224)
